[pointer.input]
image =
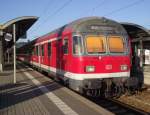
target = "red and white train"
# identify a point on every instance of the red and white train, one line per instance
(91, 55)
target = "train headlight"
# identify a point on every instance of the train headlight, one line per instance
(90, 68)
(123, 67)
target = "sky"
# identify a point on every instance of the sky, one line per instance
(56, 13)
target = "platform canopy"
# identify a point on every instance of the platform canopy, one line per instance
(138, 33)
(22, 25)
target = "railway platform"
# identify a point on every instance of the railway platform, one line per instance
(147, 75)
(36, 94)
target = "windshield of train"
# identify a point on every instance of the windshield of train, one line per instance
(98, 44)
(116, 44)
(104, 44)
(95, 44)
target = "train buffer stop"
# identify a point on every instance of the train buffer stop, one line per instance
(24, 91)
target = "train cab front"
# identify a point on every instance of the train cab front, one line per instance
(100, 63)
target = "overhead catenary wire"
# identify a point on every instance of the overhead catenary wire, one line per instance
(116, 10)
(101, 3)
(45, 10)
(59, 9)
(53, 14)
(124, 7)
(97, 6)
(50, 2)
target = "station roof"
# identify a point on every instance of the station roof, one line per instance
(22, 25)
(137, 32)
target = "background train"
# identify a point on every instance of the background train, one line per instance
(90, 55)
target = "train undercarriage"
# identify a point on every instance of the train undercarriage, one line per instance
(110, 87)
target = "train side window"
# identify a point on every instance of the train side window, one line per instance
(42, 48)
(77, 45)
(49, 49)
(65, 46)
(37, 50)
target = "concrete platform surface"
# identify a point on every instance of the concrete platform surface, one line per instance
(35, 94)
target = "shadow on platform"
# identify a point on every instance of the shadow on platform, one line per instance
(12, 94)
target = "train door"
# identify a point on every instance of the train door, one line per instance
(65, 55)
(49, 48)
(39, 56)
(42, 54)
(59, 54)
(36, 54)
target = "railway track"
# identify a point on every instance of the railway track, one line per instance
(117, 107)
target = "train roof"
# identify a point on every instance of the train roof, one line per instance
(83, 24)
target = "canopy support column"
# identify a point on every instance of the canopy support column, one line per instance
(1, 50)
(14, 39)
